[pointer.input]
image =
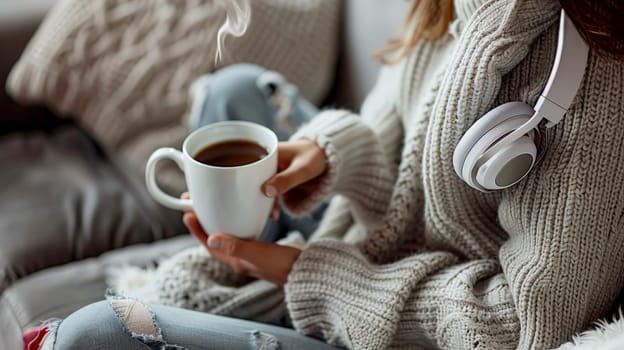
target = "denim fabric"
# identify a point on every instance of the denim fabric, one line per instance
(251, 93)
(98, 326)
(275, 230)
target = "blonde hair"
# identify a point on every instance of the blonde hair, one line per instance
(427, 19)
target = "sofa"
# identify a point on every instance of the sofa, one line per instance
(73, 202)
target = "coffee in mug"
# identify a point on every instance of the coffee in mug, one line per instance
(231, 153)
(224, 164)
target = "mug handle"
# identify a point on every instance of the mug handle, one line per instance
(150, 178)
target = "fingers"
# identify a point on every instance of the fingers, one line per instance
(186, 195)
(250, 257)
(296, 174)
(305, 160)
(286, 152)
(238, 265)
(270, 261)
(191, 222)
(275, 211)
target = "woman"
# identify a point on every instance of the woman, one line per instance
(437, 263)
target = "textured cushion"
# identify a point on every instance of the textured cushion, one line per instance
(123, 67)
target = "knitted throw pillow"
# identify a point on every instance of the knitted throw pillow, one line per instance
(123, 67)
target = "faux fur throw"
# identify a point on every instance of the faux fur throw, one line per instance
(606, 336)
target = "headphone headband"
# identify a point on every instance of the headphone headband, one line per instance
(566, 74)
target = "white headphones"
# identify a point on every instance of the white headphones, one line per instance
(500, 148)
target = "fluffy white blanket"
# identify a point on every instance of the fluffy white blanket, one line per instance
(606, 336)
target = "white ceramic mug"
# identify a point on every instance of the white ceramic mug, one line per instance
(225, 199)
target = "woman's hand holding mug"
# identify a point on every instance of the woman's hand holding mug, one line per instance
(298, 162)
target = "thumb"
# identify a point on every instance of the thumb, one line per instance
(255, 252)
(297, 173)
(303, 160)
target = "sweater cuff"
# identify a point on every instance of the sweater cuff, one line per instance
(332, 290)
(356, 166)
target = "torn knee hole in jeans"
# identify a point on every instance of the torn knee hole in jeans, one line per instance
(136, 317)
(140, 323)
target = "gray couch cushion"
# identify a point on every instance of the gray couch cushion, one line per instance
(63, 198)
(57, 292)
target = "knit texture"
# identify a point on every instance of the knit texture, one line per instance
(123, 68)
(407, 253)
(522, 268)
(192, 280)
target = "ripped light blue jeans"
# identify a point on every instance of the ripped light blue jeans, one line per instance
(127, 324)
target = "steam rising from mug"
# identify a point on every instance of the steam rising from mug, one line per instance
(238, 14)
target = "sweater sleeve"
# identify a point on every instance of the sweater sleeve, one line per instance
(334, 292)
(357, 152)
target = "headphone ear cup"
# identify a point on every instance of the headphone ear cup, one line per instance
(490, 128)
(469, 170)
(483, 125)
(508, 166)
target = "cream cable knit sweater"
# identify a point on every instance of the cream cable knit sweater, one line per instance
(522, 268)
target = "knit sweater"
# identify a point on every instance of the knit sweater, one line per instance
(522, 268)
(525, 267)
